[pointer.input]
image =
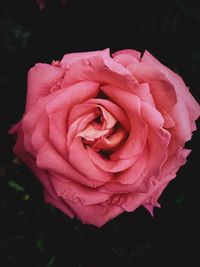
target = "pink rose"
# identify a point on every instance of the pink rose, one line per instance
(105, 134)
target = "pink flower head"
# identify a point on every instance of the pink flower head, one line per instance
(105, 134)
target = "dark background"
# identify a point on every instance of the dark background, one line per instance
(33, 234)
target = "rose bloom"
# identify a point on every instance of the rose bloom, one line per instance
(105, 134)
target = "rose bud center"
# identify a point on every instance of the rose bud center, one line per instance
(103, 132)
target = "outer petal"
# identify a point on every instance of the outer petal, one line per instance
(53, 110)
(40, 132)
(182, 129)
(144, 93)
(183, 94)
(41, 78)
(161, 88)
(156, 135)
(31, 121)
(75, 192)
(89, 58)
(30, 162)
(72, 58)
(127, 54)
(177, 158)
(132, 201)
(100, 70)
(97, 215)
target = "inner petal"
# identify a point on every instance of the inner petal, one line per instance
(78, 126)
(109, 119)
(112, 142)
(99, 127)
(91, 133)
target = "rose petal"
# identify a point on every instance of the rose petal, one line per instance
(126, 55)
(75, 192)
(90, 133)
(59, 107)
(108, 165)
(131, 201)
(111, 143)
(49, 159)
(41, 132)
(97, 215)
(134, 173)
(182, 129)
(109, 119)
(73, 129)
(125, 59)
(73, 95)
(134, 144)
(144, 93)
(169, 122)
(41, 78)
(157, 157)
(100, 70)
(79, 158)
(79, 111)
(139, 176)
(182, 91)
(130, 180)
(92, 104)
(151, 116)
(72, 58)
(160, 87)
(156, 135)
(114, 109)
(29, 123)
(177, 158)
(76, 128)
(137, 138)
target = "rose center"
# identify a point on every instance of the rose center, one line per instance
(103, 133)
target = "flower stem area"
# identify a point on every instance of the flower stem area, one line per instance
(33, 234)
